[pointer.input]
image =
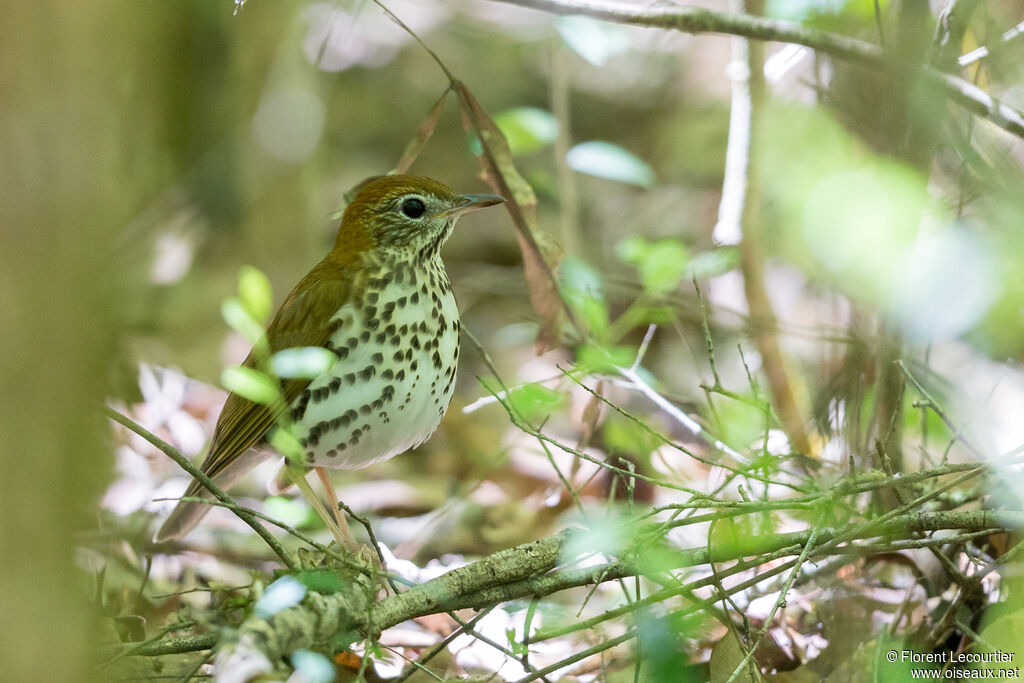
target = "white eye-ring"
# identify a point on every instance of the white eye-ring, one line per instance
(413, 207)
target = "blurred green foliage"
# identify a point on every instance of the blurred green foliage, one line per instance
(534, 400)
(154, 150)
(661, 264)
(605, 160)
(527, 129)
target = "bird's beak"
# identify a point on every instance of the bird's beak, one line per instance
(472, 202)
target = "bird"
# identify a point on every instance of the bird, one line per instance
(381, 301)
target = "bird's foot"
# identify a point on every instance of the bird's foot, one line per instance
(360, 554)
(364, 559)
(349, 555)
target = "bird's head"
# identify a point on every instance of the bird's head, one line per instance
(403, 216)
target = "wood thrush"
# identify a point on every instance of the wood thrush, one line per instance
(381, 301)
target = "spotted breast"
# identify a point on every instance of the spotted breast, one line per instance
(397, 348)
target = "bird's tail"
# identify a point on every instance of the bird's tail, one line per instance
(187, 514)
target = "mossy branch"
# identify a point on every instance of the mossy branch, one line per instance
(522, 571)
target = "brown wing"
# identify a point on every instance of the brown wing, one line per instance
(304, 319)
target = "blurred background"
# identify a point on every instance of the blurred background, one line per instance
(150, 150)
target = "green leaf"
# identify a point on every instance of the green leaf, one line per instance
(664, 266)
(622, 434)
(1003, 627)
(825, 13)
(534, 400)
(582, 288)
(611, 537)
(287, 444)
(633, 249)
(595, 41)
(656, 558)
(322, 580)
(255, 292)
(580, 279)
(639, 314)
(594, 313)
(594, 358)
(302, 362)
(517, 647)
(241, 320)
(708, 264)
(250, 384)
(861, 224)
(294, 512)
(527, 129)
(739, 422)
(664, 648)
(605, 160)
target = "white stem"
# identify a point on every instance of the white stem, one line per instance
(500, 396)
(674, 412)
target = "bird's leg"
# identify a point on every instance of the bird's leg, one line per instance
(298, 475)
(364, 552)
(332, 498)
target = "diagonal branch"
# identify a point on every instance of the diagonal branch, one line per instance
(175, 455)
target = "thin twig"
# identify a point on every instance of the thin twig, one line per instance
(779, 602)
(175, 455)
(937, 409)
(679, 416)
(234, 507)
(983, 51)
(419, 663)
(589, 652)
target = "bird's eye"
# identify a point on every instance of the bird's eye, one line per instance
(413, 207)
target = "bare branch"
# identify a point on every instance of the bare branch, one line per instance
(699, 20)
(175, 455)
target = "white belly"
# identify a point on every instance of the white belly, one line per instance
(393, 381)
